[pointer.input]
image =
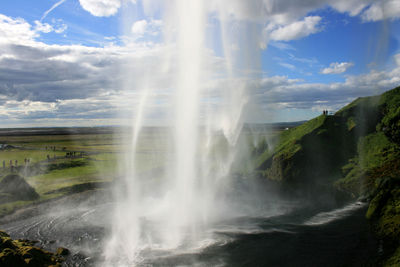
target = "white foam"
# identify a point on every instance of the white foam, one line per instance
(327, 217)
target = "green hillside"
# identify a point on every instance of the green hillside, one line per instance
(356, 153)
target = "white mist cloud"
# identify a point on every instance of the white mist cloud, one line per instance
(297, 30)
(336, 68)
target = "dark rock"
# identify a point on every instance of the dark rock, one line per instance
(22, 253)
(13, 187)
(62, 251)
(9, 257)
(4, 234)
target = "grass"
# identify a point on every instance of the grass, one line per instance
(103, 160)
(374, 149)
(287, 143)
(78, 142)
(98, 164)
(21, 154)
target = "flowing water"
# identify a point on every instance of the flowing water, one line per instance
(204, 127)
(281, 233)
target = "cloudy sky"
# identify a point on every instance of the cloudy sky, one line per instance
(66, 62)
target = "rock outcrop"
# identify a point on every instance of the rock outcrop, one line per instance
(13, 187)
(24, 253)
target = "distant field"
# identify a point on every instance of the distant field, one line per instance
(58, 163)
(62, 161)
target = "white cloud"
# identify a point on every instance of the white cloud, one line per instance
(386, 9)
(287, 65)
(15, 30)
(353, 7)
(43, 27)
(101, 8)
(296, 30)
(143, 27)
(36, 78)
(61, 28)
(139, 27)
(336, 68)
(282, 46)
(281, 92)
(34, 74)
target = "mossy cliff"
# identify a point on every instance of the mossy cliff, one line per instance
(353, 153)
(24, 253)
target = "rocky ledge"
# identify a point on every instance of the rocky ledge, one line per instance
(23, 253)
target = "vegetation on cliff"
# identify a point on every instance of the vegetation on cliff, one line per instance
(355, 152)
(345, 149)
(24, 253)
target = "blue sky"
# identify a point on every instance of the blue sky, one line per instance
(61, 61)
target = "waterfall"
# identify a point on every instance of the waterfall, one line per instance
(173, 209)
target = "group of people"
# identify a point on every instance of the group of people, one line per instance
(325, 112)
(26, 161)
(74, 154)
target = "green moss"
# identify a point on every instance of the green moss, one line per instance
(376, 204)
(374, 149)
(389, 222)
(352, 182)
(394, 259)
(288, 142)
(351, 123)
(23, 253)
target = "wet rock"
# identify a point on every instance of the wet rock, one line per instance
(22, 253)
(4, 234)
(62, 251)
(10, 257)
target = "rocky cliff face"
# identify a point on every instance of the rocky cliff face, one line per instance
(355, 152)
(340, 150)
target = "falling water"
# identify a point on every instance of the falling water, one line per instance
(206, 118)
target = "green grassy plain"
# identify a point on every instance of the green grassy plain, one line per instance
(98, 160)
